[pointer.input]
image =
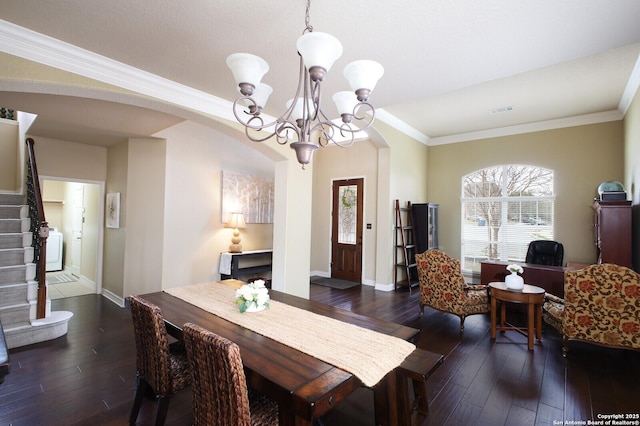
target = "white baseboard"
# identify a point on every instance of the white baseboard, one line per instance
(325, 274)
(113, 297)
(384, 287)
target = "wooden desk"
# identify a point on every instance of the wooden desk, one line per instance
(531, 296)
(304, 386)
(550, 278)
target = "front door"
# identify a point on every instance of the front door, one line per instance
(346, 230)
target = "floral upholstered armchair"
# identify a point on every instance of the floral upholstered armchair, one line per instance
(601, 305)
(443, 287)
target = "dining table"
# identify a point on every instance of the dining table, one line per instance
(304, 386)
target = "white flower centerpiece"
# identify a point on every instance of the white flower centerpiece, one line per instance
(514, 281)
(253, 297)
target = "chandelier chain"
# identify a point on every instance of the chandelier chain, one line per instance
(308, 26)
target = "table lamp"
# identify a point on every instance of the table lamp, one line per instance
(236, 221)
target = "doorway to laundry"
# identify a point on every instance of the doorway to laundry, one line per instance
(73, 210)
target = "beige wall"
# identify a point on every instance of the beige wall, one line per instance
(581, 157)
(334, 163)
(632, 171)
(194, 233)
(91, 232)
(9, 140)
(114, 238)
(394, 166)
(144, 215)
(75, 161)
(53, 197)
(408, 181)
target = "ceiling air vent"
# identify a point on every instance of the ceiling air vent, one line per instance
(501, 109)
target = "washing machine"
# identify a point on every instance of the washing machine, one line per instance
(54, 250)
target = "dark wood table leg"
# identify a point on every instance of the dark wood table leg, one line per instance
(287, 417)
(493, 318)
(539, 322)
(404, 400)
(385, 400)
(530, 325)
(420, 392)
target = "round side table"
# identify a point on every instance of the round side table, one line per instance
(530, 295)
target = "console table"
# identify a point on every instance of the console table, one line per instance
(253, 262)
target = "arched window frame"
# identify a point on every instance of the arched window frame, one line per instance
(499, 221)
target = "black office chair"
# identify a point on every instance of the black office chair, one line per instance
(545, 252)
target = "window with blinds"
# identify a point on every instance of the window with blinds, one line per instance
(504, 208)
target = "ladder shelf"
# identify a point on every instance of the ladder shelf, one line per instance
(406, 270)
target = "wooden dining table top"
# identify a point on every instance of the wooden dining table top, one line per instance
(304, 386)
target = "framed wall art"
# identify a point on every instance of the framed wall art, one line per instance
(112, 213)
(251, 195)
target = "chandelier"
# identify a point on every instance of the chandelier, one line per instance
(304, 124)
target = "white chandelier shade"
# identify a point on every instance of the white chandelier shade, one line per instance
(319, 50)
(261, 94)
(363, 75)
(298, 109)
(247, 69)
(345, 101)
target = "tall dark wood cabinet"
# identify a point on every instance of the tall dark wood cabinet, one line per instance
(612, 226)
(425, 225)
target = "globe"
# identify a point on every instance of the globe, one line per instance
(610, 186)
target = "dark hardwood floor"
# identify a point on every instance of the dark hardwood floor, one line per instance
(88, 376)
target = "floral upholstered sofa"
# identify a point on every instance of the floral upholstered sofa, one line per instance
(443, 287)
(601, 305)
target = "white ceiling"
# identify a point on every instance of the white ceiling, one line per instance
(447, 63)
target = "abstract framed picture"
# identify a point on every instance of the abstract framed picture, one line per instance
(112, 213)
(247, 194)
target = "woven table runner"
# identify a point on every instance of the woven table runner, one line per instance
(367, 354)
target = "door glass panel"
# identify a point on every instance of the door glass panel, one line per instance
(347, 214)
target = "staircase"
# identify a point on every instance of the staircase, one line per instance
(18, 288)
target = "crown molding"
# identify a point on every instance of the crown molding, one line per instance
(36, 47)
(401, 126)
(580, 120)
(630, 89)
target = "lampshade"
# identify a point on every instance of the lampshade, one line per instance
(236, 220)
(260, 95)
(319, 50)
(298, 111)
(247, 68)
(345, 101)
(363, 74)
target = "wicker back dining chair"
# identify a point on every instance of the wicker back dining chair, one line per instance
(220, 393)
(162, 367)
